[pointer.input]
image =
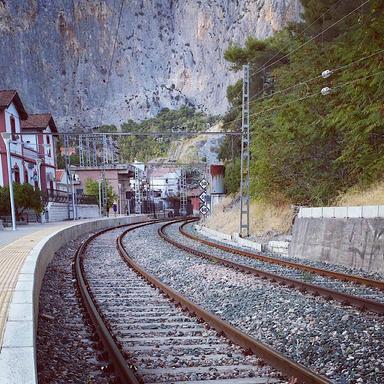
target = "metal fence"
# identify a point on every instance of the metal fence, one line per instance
(59, 196)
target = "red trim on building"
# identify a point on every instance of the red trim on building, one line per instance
(29, 124)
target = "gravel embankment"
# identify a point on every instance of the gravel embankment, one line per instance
(338, 285)
(65, 350)
(317, 264)
(340, 342)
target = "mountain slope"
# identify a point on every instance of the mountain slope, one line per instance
(168, 53)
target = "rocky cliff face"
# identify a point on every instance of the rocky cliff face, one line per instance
(168, 52)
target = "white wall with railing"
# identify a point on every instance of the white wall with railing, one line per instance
(352, 212)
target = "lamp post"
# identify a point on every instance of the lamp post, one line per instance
(38, 163)
(7, 141)
(73, 196)
(99, 183)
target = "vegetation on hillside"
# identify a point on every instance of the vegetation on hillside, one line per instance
(147, 147)
(308, 148)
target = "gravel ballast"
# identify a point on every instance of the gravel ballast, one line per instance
(164, 344)
(326, 282)
(340, 342)
(318, 264)
(65, 350)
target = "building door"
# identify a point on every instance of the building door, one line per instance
(16, 171)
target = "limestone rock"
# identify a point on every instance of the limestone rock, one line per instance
(167, 53)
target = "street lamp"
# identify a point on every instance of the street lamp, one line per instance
(38, 163)
(7, 141)
(72, 177)
(99, 184)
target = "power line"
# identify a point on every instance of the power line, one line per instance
(307, 96)
(311, 39)
(263, 67)
(254, 98)
(301, 34)
(135, 133)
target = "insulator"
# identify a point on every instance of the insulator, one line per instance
(326, 91)
(325, 74)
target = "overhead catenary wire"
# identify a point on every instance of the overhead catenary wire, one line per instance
(192, 133)
(312, 38)
(230, 133)
(263, 67)
(318, 93)
(301, 34)
(255, 98)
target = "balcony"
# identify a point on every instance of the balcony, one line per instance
(31, 153)
(59, 196)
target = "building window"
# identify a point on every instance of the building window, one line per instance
(13, 128)
(48, 140)
(25, 176)
(17, 174)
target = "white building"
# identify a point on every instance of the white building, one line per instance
(32, 152)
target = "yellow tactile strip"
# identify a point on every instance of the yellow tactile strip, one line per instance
(12, 257)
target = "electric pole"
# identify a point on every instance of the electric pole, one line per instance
(244, 169)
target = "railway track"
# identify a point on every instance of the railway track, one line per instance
(152, 334)
(285, 263)
(280, 275)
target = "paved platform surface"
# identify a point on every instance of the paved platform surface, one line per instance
(14, 248)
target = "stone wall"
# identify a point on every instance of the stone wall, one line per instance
(352, 242)
(59, 211)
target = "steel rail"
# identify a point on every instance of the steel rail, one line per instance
(319, 271)
(276, 359)
(120, 365)
(346, 299)
(121, 368)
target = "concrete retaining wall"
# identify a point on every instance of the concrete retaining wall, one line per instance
(280, 247)
(233, 239)
(19, 365)
(352, 242)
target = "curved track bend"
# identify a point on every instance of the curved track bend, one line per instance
(153, 334)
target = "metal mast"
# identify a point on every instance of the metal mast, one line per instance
(244, 170)
(104, 193)
(81, 151)
(94, 152)
(183, 192)
(137, 190)
(87, 151)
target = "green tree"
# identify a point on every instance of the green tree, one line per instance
(232, 176)
(25, 197)
(92, 189)
(307, 148)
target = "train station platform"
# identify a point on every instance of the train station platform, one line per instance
(24, 256)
